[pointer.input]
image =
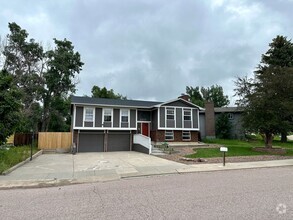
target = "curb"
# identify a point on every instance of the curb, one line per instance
(22, 163)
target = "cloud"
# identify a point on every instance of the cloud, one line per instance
(154, 49)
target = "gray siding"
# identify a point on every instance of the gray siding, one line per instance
(237, 130)
(179, 103)
(187, 124)
(88, 124)
(132, 118)
(162, 117)
(170, 123)
(98, 117)
(202, 125)
(154, 120)
(143, 115)
(107, 124)
(178, 117)
(79, 117)
(116, 118)
(195, 118)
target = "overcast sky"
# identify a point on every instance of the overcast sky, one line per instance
(153, 49)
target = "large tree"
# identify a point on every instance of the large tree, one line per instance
(9, 106)
(43, 77)
(213, 94)
(267, 98)
(98, 92)
(279, 55)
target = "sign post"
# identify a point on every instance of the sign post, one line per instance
(224, 150)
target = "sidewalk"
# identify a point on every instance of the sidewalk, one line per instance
(71, 176)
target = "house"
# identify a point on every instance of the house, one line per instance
(101, 125)
(208, 118)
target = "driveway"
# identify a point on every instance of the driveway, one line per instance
(106, 165)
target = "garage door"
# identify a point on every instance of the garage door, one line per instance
(119, 141)
(91, 142)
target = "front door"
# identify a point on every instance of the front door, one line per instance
(145, 129)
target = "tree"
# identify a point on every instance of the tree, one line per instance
(62, 66)
(213, 94)
(267, 98)
(9, 106)
(280, 54)
(98, 92)
(43, 77)
(195, 95)
(223, 126)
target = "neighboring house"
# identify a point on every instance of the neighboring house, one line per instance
(209, 116)
(103, 125)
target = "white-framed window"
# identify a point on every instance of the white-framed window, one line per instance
(124, 115)
(169, 135)
(108, 115)
(230, 116)
(186, 136)
(89, 114)
(170, 112)
(187, 114)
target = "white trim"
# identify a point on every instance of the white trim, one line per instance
(102, 128)
(84, 111)
(179, 99)
(175, 114)
(103, 112)
(189, 135)
(179, 129)
(128, 115)
(169, 139)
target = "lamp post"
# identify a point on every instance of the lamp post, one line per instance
(32, 144)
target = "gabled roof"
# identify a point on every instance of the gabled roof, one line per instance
(112, 102)
(179, 99)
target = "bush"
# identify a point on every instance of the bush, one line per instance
(223, 127)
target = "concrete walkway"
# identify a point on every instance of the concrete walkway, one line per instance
(63, 169)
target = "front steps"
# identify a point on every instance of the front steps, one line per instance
(157, 151)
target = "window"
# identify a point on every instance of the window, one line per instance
(187, 114)
(170, 113)
(169, 135)
(89, 115)
(124, 118)
(107, 115)
(230, 116)
(186, 136)
(124, 115)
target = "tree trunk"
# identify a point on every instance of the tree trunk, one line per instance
(268, 140)
(284, 137)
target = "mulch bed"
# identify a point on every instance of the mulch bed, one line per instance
(180, 152)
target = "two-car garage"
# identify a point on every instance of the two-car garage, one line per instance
(101, 141)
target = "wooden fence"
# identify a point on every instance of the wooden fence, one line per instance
(54, 140)
(24, 139)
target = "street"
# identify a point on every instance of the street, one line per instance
(265, 193)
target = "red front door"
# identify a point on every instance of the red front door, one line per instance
(145, 129)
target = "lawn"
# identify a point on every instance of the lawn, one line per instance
(13, 155)
(238, 148)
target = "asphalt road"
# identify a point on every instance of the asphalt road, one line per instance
(265, 193)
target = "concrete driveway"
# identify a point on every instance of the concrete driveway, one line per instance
(108, 165)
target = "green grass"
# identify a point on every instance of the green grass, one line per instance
(14, 155)
(238, 148)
